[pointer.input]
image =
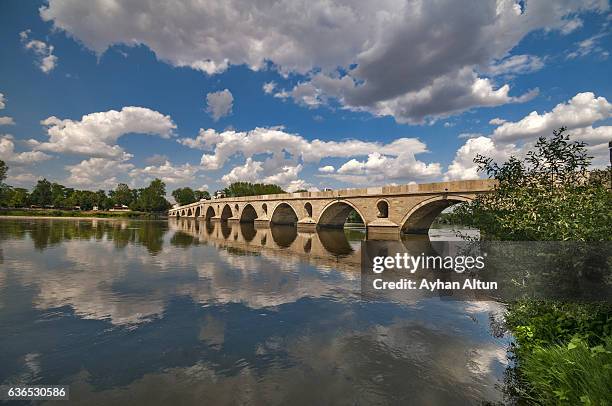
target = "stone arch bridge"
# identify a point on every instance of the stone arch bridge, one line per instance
(386, 210)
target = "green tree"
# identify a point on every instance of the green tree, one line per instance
(122, 195)
(238, 189)
(4, 189)
(184, 195)
(19, 197)
(201, 194)
(152, 198)
(101, 200)
(58, 195)
(548, 196)
(41, 195)
(3, 170)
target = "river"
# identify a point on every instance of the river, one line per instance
(185, 312)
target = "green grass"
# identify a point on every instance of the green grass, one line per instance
(571, 374)
(563, 352)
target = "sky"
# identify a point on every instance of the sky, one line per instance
(304, 94)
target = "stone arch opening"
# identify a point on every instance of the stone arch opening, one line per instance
(336, 214)
(383, 209)
(197, 212)
(308, 208)
(210, 213)
(248, 214)
(284, 215)
(189, 212)
(177, 214)
(226, 213)
(265, 208)
(236, 207)
(420, 218)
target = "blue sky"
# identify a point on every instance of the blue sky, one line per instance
(98, 92)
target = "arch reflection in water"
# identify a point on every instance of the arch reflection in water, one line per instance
(284, 235)
(340, 248)
(327, 247)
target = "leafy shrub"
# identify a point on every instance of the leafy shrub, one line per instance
(571, 374)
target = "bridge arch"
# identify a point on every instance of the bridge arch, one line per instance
(210, 213)
(284, 214)
(226, 212)
(420, 217)
(197, 212)
(189, 212)
(249, 214)
(335, 213)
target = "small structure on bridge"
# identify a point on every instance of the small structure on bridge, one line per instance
(385, 211)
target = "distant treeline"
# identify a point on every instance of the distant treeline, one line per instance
(54, 195)
(152, 198)
(186, 195)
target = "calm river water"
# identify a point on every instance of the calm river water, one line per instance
(183, 312)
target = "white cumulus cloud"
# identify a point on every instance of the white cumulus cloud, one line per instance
(581, 110)
(168, 172)
(96, 134)
(579, 114)
(285, 154)
(327, 169)
(45, 60)
(4, 120)
(386, 57)
(96, 173)
(8, 154)
(219, 104)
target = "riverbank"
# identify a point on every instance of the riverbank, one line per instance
(52, 213)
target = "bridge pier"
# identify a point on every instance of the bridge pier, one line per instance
(262, 223)
(307, 224)
(383, 229)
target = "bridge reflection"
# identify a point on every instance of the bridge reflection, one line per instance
(337, 248)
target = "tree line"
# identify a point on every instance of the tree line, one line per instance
(149, 199)
(50, 194)
(186, 195)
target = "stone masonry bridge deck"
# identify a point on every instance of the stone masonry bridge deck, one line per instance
(386, 210)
